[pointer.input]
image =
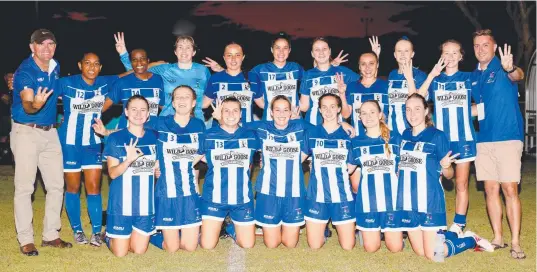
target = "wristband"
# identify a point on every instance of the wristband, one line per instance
(514, 69)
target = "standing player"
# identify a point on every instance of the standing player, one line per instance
(376, 152)
(83, 98)
(329, 193)
(451, 92)
(183, 72)
(278, 77)
(403, 82)
(232, 83)
(229, 150)
(369, 87)
(131, 158)
(141, 82)
(424, 156)
(321, 80)
(176, 192)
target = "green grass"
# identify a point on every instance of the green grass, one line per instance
(329, 258)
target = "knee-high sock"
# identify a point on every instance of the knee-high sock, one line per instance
(157, 239)
(72, 206)
(458, 245)
(95, 211)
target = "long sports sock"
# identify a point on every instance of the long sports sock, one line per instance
(458, 245)
(460, 219)
(95, 211)
(72, 206)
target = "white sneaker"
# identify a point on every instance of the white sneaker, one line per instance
(456, 229)
(259, 231)
(481, 242)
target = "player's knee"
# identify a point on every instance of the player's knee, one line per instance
(171, 248)
(246, 243)
(347, 246)
(119, 252)
(272, 243)
(290, 243)
(73, 188)
(461, 186)
(315, 244)
(208, 244)
(394, 247)
(371, 247)
(510, 191)
(492, 189)
(190, 247)
(139, 249)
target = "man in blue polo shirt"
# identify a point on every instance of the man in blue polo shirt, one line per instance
(501, 135)
(35, 142)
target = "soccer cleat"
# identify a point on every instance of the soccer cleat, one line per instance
(96, 239)
(482, 244)
(456, 228)
(80, 238)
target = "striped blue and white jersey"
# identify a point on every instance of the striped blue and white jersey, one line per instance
(132, 193)
(420, 185)
(281, 154)
(222, 85)
(126, 87)
(176, 149)
(82, 103)
(453, 106)
(329, 178)
(357, 94)
(377, 191)
(228, 156)
(316, 83)
(272, 81)
(397, 95)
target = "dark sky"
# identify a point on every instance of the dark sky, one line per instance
(149, 25)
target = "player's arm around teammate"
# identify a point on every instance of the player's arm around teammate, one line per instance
(329, 193)
(229, 151)
(377, 155)
(131, 159)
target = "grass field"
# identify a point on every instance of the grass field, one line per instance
(227, 257)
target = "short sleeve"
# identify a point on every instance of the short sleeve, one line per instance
(306, 146)
(111, 148)
(442, 145)
(350, 154)
(210, 90)
(255, 83)
(356, 154)
(23, 80)
(202, 143)
(304, 90)
(351, 76)
(115, 92)
(159, 69)
(419, 78)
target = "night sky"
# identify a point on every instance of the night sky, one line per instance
(89, 26)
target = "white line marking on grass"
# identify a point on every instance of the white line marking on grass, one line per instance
(236, 259)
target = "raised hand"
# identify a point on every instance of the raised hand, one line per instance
(438, 67)
(448, 160)
(212, 64)
(133, 152)
(295, 112)
(339, 59)
(407, 70)
(40, 98)
(341, 86)
(375, 45)
(506, 57)
(9, 80)
(121, 47)
(99, 127)
(217, 111)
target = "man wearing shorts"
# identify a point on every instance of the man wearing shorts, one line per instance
(501, 135)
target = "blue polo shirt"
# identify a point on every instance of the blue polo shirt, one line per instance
(503, 119)
(30, 76)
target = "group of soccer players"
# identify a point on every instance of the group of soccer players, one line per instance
(380, 175)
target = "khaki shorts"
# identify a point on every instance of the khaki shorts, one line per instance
(499, 161)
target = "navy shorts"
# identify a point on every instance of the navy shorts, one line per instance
(412, 220)
(178, 212)
(340, 213)
(375, 221)
(121, 226)
(273, 211)
(241, 214)
(76, 158)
